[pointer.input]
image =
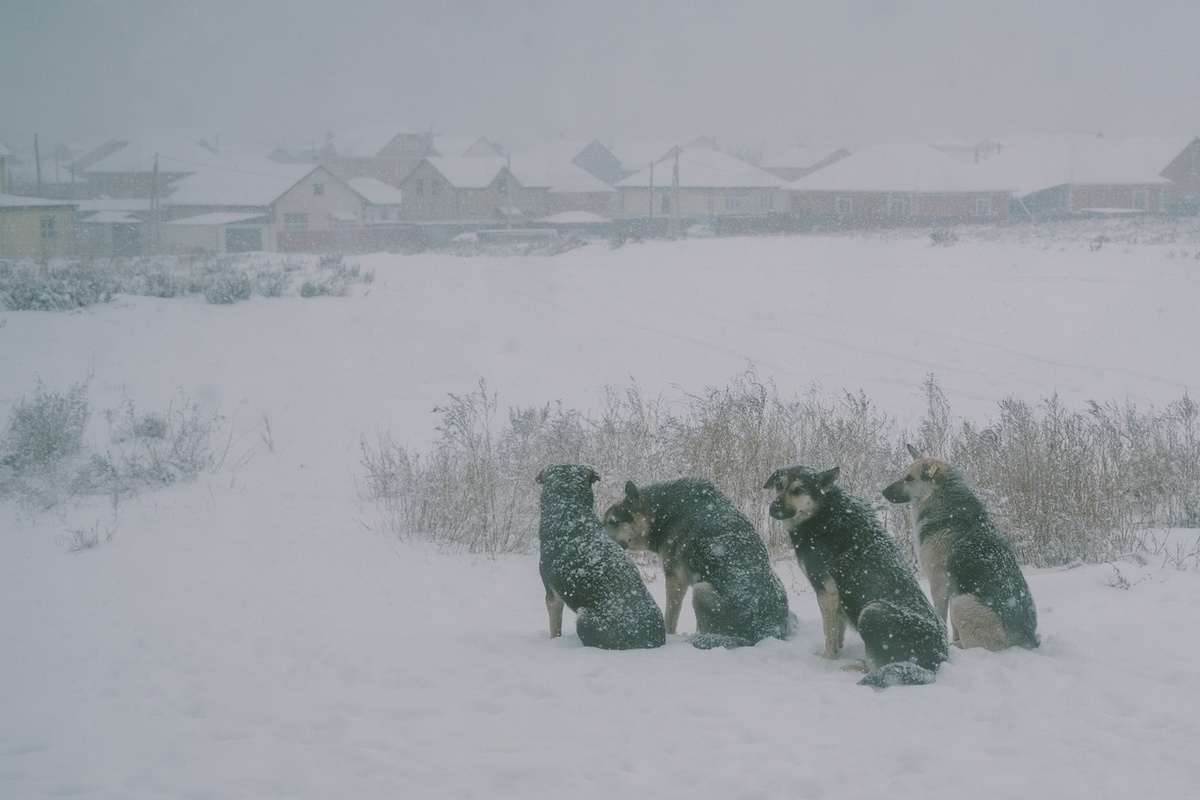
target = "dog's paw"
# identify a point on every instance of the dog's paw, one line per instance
(710, 641)
(900, 673)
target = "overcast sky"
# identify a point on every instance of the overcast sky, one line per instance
(766, 71)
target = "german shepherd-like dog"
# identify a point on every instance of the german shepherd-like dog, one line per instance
(859, 576)
(705, 543)
(584, 569)
(976, 583)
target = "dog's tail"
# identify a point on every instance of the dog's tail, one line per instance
(898, 673)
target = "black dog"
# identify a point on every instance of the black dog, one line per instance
(587, 571)
(705, 543)
(856, 569)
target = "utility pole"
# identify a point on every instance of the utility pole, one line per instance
(675, 196)
(651, 190)
(37, 160)
(155, 232)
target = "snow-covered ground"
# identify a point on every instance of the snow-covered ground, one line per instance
(252, 635)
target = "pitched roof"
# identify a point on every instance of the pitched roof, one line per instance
(555, 172)
(467, 172)
(900, 168)
(218, 218)
(368, 141)
(17, 201)
(803, 157)
(250, 182)
(702, 168)
(176, 151)
(376, 192)
(1034, 164)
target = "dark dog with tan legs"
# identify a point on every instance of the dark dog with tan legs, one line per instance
(859, 576)
(587, 571)
(974, 577)
(705, 543)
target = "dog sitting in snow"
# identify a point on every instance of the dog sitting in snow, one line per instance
(584, 569)
(706, 543)
(974, 577)
(859, 576)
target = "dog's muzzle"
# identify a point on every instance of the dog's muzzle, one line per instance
(780, 510)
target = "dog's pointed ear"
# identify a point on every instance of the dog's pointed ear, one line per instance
(631, 491)
(914, 452)
(541, 476)
(591, 475)
(933, 471)
(776, 479)
(826, 479)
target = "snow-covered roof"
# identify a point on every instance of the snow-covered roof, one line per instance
(177, 152)
(111, 218)
(1034, 164)
(219, 218)
(368, 141)
(250, 182)
(801, 157)
(376, 192)
(474, 146)
(636, 156)
(121, 204)
(555, 172)
(702, 168)
(900, 168)
(574, 218)
(467, 172)
(18, 201)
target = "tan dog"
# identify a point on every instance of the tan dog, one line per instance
(976, 583)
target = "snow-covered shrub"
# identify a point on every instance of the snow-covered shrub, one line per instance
(1066, 486)
(54, 287)
(45, 431)
(158, 449)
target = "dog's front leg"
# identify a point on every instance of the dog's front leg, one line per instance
(833, 621)
(677, 586)
(554, 607)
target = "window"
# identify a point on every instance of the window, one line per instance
(49, 228)
(295, 222)
(666, 205)
(419, 186)
(435, 186)
(318, 188)
(844, 206)
(983, 206)
(768, 200)
(897, 206)
(1141, 199)
(733, 204)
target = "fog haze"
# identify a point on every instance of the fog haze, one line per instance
(766, 71)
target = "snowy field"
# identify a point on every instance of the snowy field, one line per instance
(251, 634)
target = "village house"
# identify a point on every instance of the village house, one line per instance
(896, 185)
(700, 185)
(568, 186)
(384, 152)
(1183, 195)
(383, 206)
(262, 205)
(796, 162)
(1059, 176)
(38, 229)
(144, 165)
(468, 190)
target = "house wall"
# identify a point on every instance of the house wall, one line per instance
(1184, 174)
(336, 198)
(1082, 197)
(602, 203)
(700, 202)
(428, 197)
(21, 233)
(877, 206)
